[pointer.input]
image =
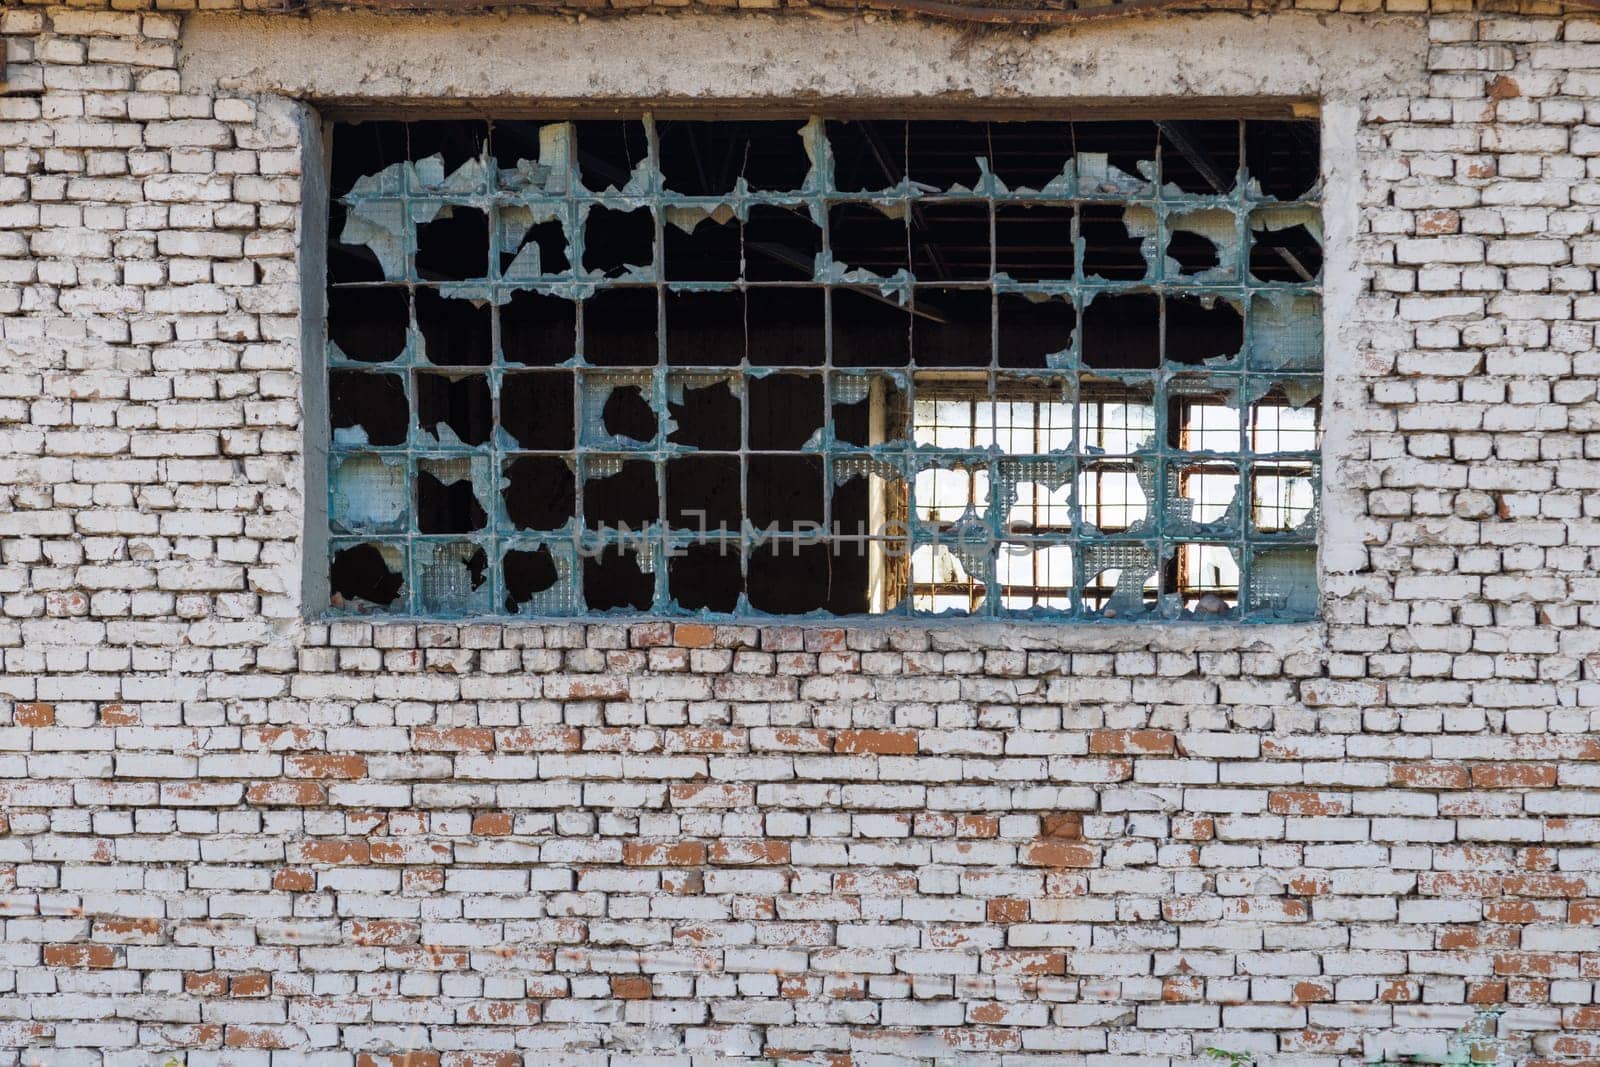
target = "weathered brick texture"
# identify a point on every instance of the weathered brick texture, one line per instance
(225, 830)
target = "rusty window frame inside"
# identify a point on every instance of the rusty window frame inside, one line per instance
(553, 344)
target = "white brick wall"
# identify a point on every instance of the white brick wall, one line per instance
(227, 831)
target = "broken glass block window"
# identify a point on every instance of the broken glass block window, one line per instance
(818, 368)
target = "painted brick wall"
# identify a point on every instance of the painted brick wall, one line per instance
(228, 832)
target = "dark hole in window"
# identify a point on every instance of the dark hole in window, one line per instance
(362, 149)
(1284, 157)
(613, 579)
(539, 330)
(536, 410)
(708, 417)
(619, 328)
(851, 514)
(369, 324)
(1124, 144)
(1109, 250)
(870, 330)
(539, 492)
(785, 411)
(1033, 330)
(864, 238)
(626, 413)
(705, 329)
(1030, 155)
(780, 244)
(624, 498)
(950, 242)
(514, 141)
(705, 577)
(454, 140)
(615, 240)
(867, 156)
(374, 402)
(953, 327)
(1200, 157)
(1122, 330)
(348, 263)
(787, 327)
(608, 151)
(1290, 254)
(1194, 252)
(361, 573)
(787, 578)
(707, 253)
(707, 158)
(528, 573)
(945, 154)
(852, 422)
(549, 238)
(447, 507)
(454, 246)
(1196, 333)
(1033, 244)
(703, 493)
(462, 404)
(455, 332)
(785, 491)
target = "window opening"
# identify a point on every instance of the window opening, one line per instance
(825, 368)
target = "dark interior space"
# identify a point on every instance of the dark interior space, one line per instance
(950, 241)
(943, 154)
(705, 577)
(613, 579)
(360, 149)
(708, 417)
(851, 515)
(1033, 244)
(513, 141)
(869, 330)
(784, 490)
(958, 329)
(1200, 157)
(348, 263)
(1196, 333)
(780, 244)
(707, 253)
(1124, 144)
(536, 410)
(608, 151)
(550, 238)
(1033, 330)
(455, 332)
(540, 330)
(615, 240)
(1109, 250)
(626, 498)
(456, 140)
(789, 578)
(1284, 157)
(528, 572)
(707, 158)
(863, 238)
(374, 402)
(619, 327)
(785, 411)
(361, 573)
(454, 246)
(447, 507)
(708, 484)
(1290, 254)
(868, 156)
(705, 328)
(787, 326)
(1193, 252)
(627, 413)
(852, 422)
(459, 402)
(1029, 155)
(369, 324)
(540, 492)
(1122, 330)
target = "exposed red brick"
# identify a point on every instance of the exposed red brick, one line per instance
(1132, 743)
(630, 987)
(877, 742)
(325, 766)
(97, 956)
(34, 715)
